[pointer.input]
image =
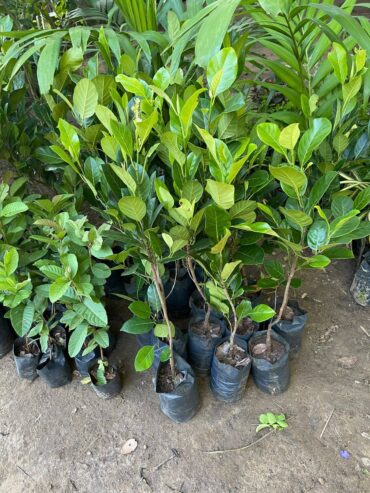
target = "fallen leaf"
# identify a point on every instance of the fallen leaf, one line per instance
(259, 348)
(347, 362)
(129, 446)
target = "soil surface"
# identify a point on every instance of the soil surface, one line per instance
(68, 440)
(259, 350)
(236, 356)
(208, 331)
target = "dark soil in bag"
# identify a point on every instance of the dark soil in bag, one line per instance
(179, 399)
(246, 328)
(230, 370)
(202, 342)
(292, 327)
(7, 334)
(178, 290)
(271, 376)
(26, 355)
(54, 368)
(360, 287)
(114, 382)
(83, 362)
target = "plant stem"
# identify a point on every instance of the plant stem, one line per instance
(160, 290)
(207, 306)
(101, 353)
(284, 304)
(235, 321)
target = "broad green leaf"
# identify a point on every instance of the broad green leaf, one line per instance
(338, 60)
(250, 254)
(163, 194)
(162, 78)
(58, 289)
(85, 99)
(289, 136)
(269, 134)
(262, 312)
(144, 358)
(217, 220)
(319, 189)
(161, 331)
(243, 309)
(222, 71)
(140, 309)
(11, 260)
(192, 191)
(186, 113)
(221, 193)
(219, 247)
(362, 200)
(339, 253)
(77, 340)
(318, 261)
(27, 318)
(135, 86)
(290, 176)
(94, 313)
(137, 325)
(228, 269)
(344, 225)
(106, 116)
(341, 205)
(213, 31)
(48, 62)
(69, 139)
(101, 337)
(312, 138)
(132, 207)
(70, 263)
(13, 209)
(125, 177)
(317, 235)
(274, 269)
(299, 218)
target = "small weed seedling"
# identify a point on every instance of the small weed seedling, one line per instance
(271, 420)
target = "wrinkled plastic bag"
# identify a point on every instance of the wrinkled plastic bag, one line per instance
(292, 330)
(54, 368)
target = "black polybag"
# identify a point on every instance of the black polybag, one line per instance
(26, 365)
(196, 304)
(183, 402)
(201, 349)
(111, 388)
(54, 368)
(272, 378)
(292, 330)
(243, 337)
(178, 290)
(7, 335)
(83, 362)
(228, 382)
(360, 287)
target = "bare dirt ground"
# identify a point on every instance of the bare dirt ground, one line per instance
(67, 440)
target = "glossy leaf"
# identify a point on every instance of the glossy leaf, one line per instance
(85, 99)
(222, 71)
(144, 358)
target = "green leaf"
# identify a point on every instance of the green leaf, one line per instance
(250, 254)
(312, 138)
(13, 209)
(222, 71)
(317, 235)
(213, 31)
(163, 194)
(228, 269)
(318, 261)
(77, 340)
(69, 139)
(344, 225)
(192, 191)
(341, 205)
(269, 134)
(290, 176)
(161, 330)
(262, 312)
(162, 78)
(101, 337)
(136, 325)
(289, 136)
(70, 263)
(11, 260)
(144, 358)
(94, 313)
(319, 189)
(58, 289)
(243, 309)
(297, 217)
(362, 200)
(140, 309)
(48, 63)
(135, 86)
(274, 269)
(221, 193)
(106, 116)
(27, 318)
(165, 354)
(85, 99)
(338, 60)
(339, 253)
(132, 207)
(217, 220)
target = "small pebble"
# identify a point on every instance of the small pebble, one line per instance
(365, 461)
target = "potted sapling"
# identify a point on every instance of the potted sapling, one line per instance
(309, 235)
(231, 362)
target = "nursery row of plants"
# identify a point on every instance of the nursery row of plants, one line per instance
(158, 155)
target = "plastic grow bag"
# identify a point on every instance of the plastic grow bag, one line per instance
(26, 365)
(201, 349)
(111, 388)
(54, 368)
(244, 337)
(292, 330)
(183, 402)
(228, 382)
(272, 378)
(196, 309)
(360, 287)
(178, 293)
(7, 335)
(179, 344)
